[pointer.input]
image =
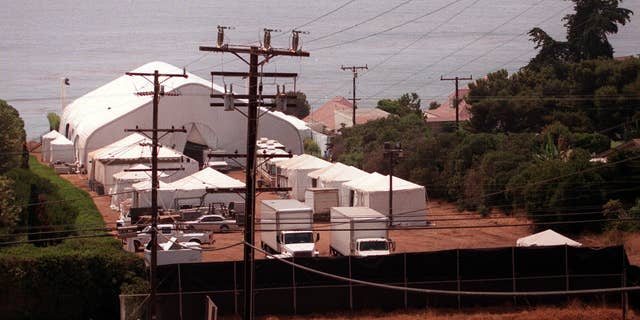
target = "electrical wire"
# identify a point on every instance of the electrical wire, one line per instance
(363, 22)
(444, 292)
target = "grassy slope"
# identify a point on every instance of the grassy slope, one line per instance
(88, 213)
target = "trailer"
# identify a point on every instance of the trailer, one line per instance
(359, 231)
(286, 228)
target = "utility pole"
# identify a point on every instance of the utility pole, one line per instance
(456, 102)
(354, 71)
(254, 52)
(393, 153)
(157, 92)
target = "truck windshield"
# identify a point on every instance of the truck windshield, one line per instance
(374, 245)
(306, 237)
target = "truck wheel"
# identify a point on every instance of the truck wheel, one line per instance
(224, 228)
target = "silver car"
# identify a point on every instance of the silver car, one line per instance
(213, 222)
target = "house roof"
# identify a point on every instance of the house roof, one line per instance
(339, 110)
(447, 111)
(631, 144)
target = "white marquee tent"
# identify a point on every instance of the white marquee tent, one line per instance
(124, 180)
(546, 238)
(335, 176)
(100, 117)
(46, 144)
(297, 174)
(61, 149)
(131, 150)
(191, 190)
(409, 205)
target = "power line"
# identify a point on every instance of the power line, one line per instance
(445, 292)
(362, 22)
(390, 28)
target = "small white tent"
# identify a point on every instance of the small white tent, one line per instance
(135, 149)
(46, 144)
(191, 190)
(409, 205)
(337, 177)
(142, 195)
(297, 175)
(546, 238)
(61, 149)
(124, 180)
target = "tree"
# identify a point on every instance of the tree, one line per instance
(54, 121)
(587, 31)
(311, 147)
(302, 107)
(12, 137)
(407, 103)
(9, 210)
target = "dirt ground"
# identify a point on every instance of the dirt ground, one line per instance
(406, 240)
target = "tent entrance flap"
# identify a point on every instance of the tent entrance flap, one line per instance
(195, 151)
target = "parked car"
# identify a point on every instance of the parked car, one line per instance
(167, 231)
(213, 222)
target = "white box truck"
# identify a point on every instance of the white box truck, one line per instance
(286, 228)
(359, 231)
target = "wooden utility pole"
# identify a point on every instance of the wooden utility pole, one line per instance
(157, 92)
(266, 52)
(456, 102)
(393, 152)
(354, 71)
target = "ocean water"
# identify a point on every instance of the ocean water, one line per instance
(406, 44)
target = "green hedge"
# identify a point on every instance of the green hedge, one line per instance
(76, 279)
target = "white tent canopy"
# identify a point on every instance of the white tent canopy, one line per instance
(100, 117)
(124, 180)
(131, 150)
(297, 174)
(46, 144)
(335, 176)
(61, 149)
(409, 205)
(546, 238)
(191, 190)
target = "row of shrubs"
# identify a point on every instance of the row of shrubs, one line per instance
(72, 279)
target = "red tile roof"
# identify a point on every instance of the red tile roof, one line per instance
(339, 109)
(447, 111)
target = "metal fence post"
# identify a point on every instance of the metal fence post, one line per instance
(350, 287)
(458, 277)
(180, 291)
(513, 273)
(235, 288)
(295, 292)
(406, 303)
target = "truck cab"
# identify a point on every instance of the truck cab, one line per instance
(373, 247)
(297, 243)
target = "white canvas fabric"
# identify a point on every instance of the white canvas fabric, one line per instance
(131, 150)
(297, 174)
(546, 238)
(191, 190)
(100, 117)
(409, 203)
(46, 144)
(61, 149)
(124, 180)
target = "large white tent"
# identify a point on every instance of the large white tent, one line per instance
(191, 190)
(61, 149)
(297, 174)
(409, 205)
(124, 180)
(101, 116)
(46, 144)
(335, 176)
(546, 238)
(131, 150)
